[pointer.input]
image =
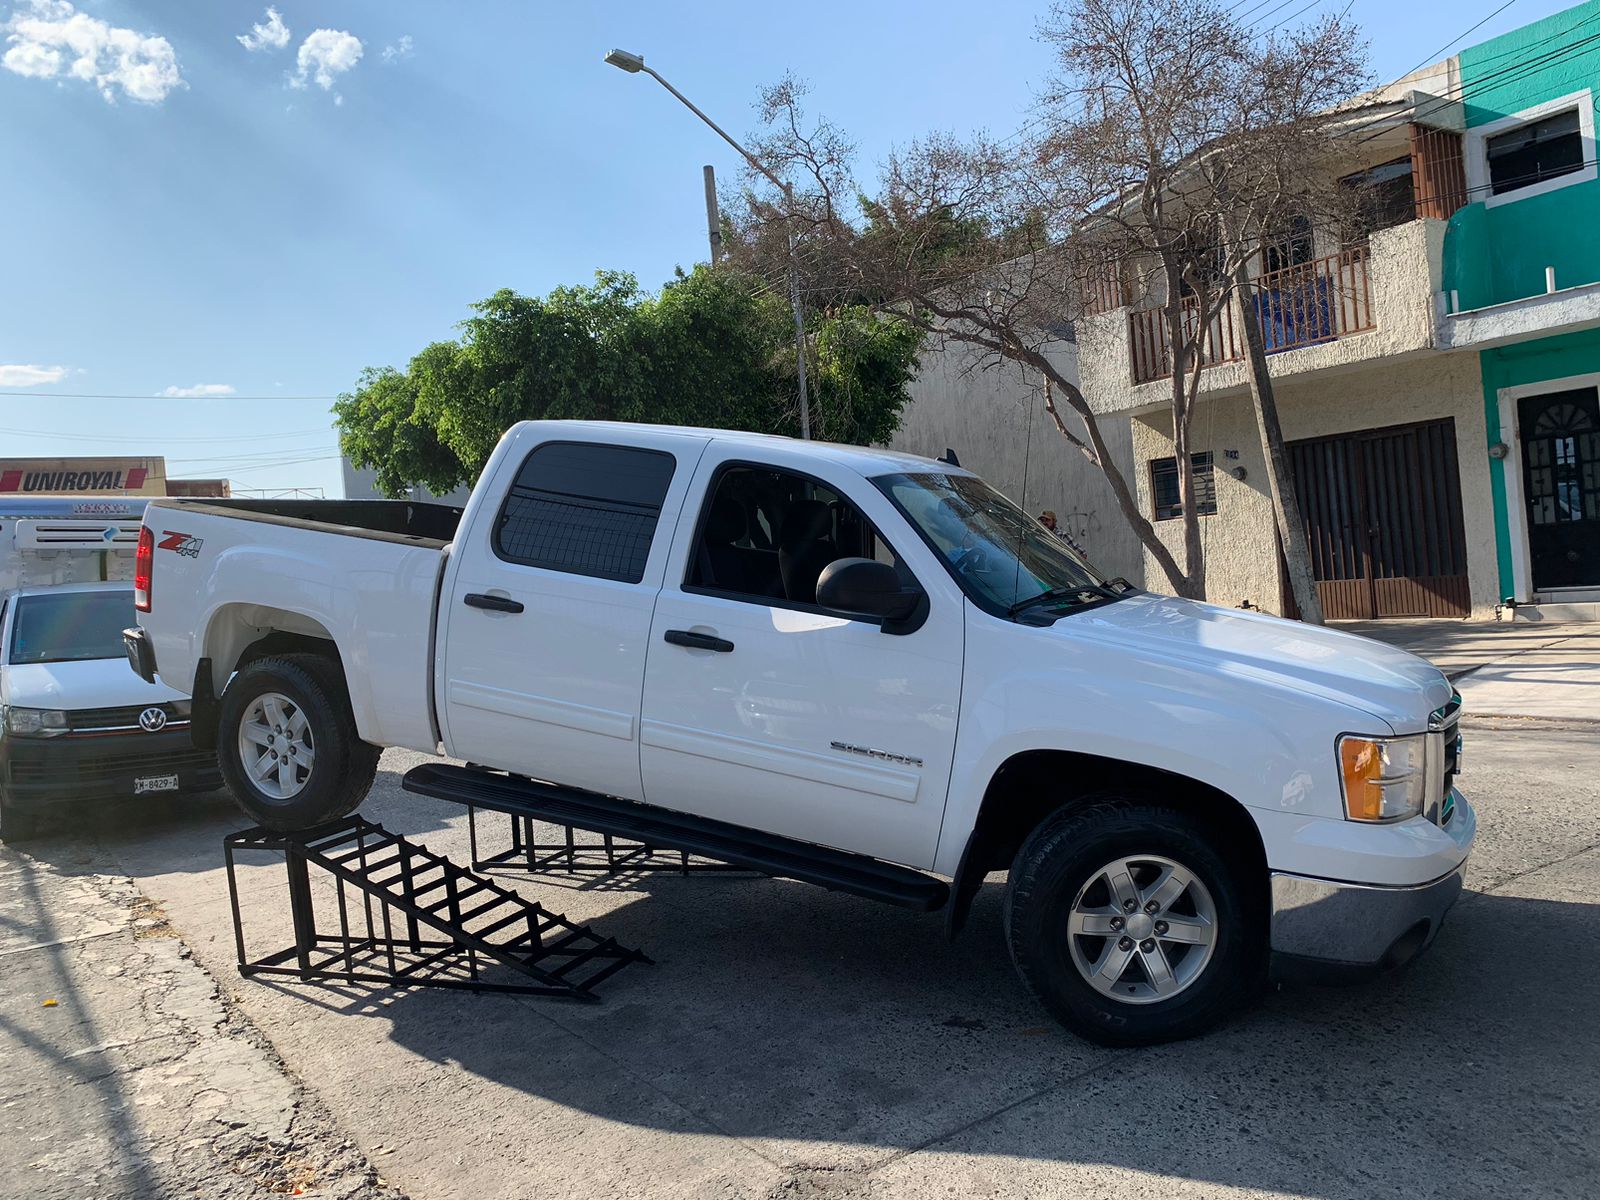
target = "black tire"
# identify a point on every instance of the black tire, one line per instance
(1065, 857)
(17, 824)
(343, 766)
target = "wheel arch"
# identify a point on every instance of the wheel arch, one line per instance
(1033, 785)
(240, 634)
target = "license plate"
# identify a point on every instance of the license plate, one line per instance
(155, 783)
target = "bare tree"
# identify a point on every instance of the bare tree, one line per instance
(1116, 184)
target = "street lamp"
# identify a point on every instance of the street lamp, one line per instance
(633, 64)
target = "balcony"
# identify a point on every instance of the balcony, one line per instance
(1306, 304)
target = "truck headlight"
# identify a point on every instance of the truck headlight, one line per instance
(1385, 779)
(35, 722)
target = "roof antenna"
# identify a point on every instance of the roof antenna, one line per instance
(949, 456)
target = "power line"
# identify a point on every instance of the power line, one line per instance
(130, 396)
(231, 438)
(1431, 57)
(1510, 73)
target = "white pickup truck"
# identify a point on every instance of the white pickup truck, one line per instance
(840, 665)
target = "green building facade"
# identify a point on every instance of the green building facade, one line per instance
(1521, 271)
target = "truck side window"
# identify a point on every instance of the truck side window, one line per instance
(766, 535)
(584, 509)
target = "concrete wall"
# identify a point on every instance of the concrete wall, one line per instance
(1240, 547)
(994, 419)
(359, 485)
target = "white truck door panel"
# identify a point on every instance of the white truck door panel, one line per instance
(813, 725)
(547, 614)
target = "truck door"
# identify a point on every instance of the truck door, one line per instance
(546, 615)
(763, 708)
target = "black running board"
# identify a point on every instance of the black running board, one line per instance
(768, 853)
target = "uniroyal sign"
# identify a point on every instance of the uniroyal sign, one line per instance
(76, 477)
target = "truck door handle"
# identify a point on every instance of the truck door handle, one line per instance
(697, 641)
(492, 603)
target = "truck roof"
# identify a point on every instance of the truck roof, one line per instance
(866, 460)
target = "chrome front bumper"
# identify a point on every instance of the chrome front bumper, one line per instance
(1326, 927)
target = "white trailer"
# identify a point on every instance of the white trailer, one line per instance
(50, 540)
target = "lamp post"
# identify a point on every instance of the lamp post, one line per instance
(634, 65)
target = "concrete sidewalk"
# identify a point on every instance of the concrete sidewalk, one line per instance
(1507, 670)
(123, 1072)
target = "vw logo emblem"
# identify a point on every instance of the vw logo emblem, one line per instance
(153, 720)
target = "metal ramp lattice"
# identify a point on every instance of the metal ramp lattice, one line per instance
(571, 854)
(408, 917)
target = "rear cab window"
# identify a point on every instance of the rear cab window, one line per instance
(584, 509)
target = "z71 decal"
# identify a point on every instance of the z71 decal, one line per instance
(183, 543)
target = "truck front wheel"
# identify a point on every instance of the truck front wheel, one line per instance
(287, 743)
(1131, 924)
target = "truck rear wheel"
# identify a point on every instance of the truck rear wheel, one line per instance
(287, 743)
(1131, 924)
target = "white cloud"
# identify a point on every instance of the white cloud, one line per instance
(29, 375)
(199, 390)
(399, 51)
(325, 55)
(271, 34)
(49, 39)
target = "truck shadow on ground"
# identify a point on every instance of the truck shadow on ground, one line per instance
(832, 1033)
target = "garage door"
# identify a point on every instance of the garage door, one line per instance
(1383, 520)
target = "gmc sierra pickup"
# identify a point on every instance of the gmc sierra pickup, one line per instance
(839, 665)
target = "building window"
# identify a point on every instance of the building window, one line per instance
(1292, 245)
(1164, 486)
(584, 509)
(1544, 149)
(1538, 150)
(1380, 197)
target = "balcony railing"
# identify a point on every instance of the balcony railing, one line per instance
(1302, 305)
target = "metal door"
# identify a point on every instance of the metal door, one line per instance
(1382, 509)
(1561, 485)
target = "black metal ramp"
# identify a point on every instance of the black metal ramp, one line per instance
(411, 918)
(768, 853)
(527, 853)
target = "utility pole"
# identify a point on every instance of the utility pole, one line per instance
(713, 216)
(624, 60)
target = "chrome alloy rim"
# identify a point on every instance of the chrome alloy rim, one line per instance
(1142, 929)
(275, 746)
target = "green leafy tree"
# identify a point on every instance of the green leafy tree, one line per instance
(713, 348)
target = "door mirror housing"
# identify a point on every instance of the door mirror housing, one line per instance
(872, 588)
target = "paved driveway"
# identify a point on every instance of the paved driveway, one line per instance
(792, 1042)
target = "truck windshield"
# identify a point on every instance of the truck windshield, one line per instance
(1003, 558)
(70, 626)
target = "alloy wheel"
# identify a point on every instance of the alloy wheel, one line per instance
(275, 746)
(1142, 929)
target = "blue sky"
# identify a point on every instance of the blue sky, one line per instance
(272, 220)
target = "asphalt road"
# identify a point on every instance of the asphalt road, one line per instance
(791, 1042)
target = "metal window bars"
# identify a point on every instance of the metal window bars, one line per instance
(408, 917)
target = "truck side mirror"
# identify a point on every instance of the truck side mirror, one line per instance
(871, 588)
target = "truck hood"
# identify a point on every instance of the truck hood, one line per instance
(92, 683)
(1395, 686)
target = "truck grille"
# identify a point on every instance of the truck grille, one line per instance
(109, 769)
(1444, 755)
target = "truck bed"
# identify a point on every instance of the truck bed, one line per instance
(363, 574)
(386, 520)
